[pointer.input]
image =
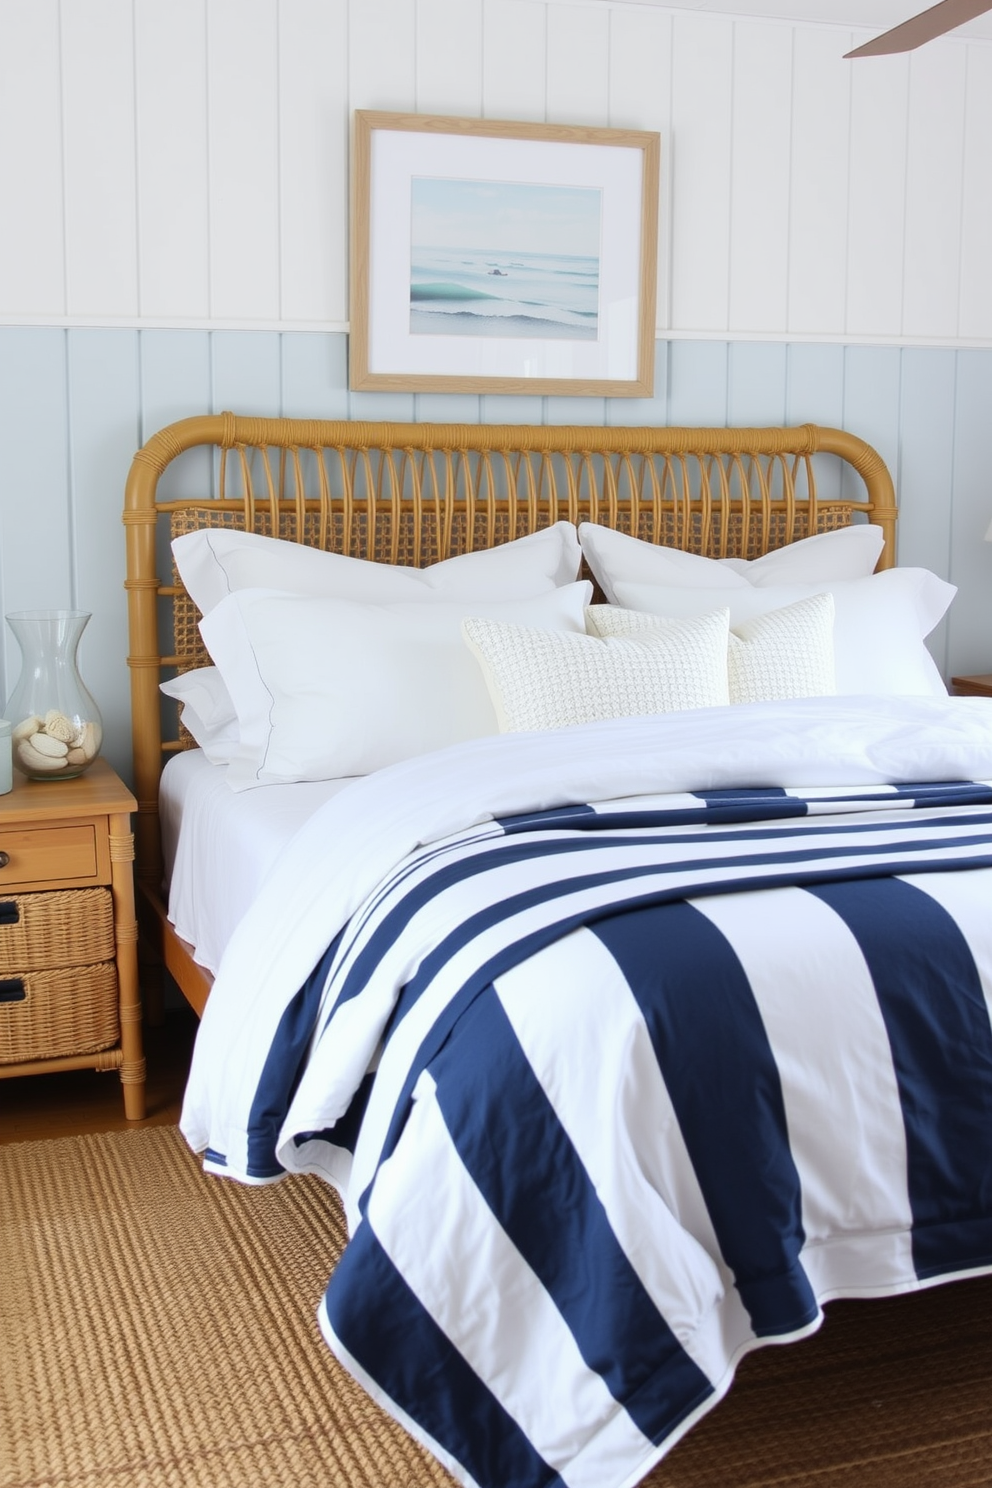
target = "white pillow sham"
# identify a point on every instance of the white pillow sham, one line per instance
(540, 679)
(325, 688)
(215, 562)
(207, 711)
(879, 622)
(615, 557)
(785, 653)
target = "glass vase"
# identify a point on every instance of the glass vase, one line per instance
(56, 729)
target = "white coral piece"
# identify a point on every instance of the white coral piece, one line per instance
(57, 726)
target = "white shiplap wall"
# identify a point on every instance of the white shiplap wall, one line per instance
(184, 162)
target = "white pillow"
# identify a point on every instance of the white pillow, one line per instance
(208, 711)
(214, 562)
(614, 557)
(540, 679)
(325, 688)
(783, 654)
(879, 622)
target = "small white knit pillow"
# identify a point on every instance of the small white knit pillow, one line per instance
(542, 679)
(785, 653)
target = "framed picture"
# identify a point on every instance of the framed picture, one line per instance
(502, 257)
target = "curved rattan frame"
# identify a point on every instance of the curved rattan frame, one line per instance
(416, 493)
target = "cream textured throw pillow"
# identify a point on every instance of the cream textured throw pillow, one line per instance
(540, 679)
(784, 653)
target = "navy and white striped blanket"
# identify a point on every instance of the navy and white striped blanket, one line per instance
(617, 1090)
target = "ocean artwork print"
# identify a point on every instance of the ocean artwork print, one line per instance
(504, 258)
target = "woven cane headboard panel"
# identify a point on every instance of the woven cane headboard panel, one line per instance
(416, 493)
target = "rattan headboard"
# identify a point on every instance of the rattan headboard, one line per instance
(415, 493)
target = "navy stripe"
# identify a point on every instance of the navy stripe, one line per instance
(522, 1161)
(283, 1069)
(718, 1066)
(930, 995)
(391, 1335)
(758, 804)
(556, 816)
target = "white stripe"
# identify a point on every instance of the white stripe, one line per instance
(447, 1245)
(816, 997)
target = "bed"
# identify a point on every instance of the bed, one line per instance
(583, 1178)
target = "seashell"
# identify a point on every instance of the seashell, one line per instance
(31, 759)
(26, 728)
(77, 757)
(46, 745)
(88, 742)
(57, 726)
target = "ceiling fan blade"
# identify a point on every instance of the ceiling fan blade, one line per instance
(922, 28)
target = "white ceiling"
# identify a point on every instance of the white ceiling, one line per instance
(873, 15)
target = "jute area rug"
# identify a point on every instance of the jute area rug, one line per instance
(157, 1328)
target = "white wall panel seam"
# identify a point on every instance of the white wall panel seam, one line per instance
(135, 157)
(961, 205)
(848, 224)
(416, 53)
(65, 206)
(209, 224)
(280, 176)
(729, 271)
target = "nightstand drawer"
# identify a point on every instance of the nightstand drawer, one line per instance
(48, 1014)
(49, 854)
(66, 927)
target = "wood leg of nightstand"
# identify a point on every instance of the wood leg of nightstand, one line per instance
(126, 930)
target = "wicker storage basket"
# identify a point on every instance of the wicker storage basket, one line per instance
(71, 927)
(44, 1014)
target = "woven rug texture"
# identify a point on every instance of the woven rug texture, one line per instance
(158, 1330)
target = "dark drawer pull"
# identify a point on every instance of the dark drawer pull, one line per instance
(4, 859)
(10, 912)
(12, 990)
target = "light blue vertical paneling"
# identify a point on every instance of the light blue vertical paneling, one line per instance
(756, 383)
(969, 629)
(498, 408)
(175, 384)
(447, 408)
(245, 372)
(814, 394)
(396, 408)
(926, 469)
(103, 436)
(575, 410)
(644, 412)
(871, 399)
(697, 383)
(314, 375)
(35, 558)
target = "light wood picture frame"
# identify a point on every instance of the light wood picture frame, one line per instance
(503, 257)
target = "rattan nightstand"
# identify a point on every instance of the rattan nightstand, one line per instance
(69, 995)
(978, 686)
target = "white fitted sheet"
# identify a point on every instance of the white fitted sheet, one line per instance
(219, 845)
